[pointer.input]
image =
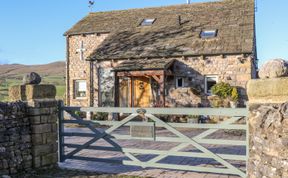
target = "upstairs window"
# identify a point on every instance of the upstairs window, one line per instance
(147, 22)
(80, 89)
(210, 81)
(179, 82)
(208, 33)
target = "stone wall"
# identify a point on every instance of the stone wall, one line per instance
(268, 123)
(15, 138)
(80, 70)
(44, 133)
(236, 70)
(28, 130)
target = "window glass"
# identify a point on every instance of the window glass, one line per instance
(147, 22)
(208, 33)
(210, 81)
(179, 82)
(80, 88)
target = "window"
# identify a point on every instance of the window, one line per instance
(147, 22)
(80, 88)
(210, 81)
(179, 82)
(208, 33)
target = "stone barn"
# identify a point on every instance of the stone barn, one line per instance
(161, 57)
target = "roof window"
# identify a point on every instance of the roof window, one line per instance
(147, 22)
(208, 33)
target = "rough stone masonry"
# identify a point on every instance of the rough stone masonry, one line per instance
(28, 129)
(268, 123)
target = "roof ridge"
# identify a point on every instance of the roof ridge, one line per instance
(164, 6)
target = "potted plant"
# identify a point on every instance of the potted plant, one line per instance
(223, 92)
(234, 98)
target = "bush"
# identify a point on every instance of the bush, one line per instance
(234, 94)
(223, 90)
(100, 116)
(80, 114)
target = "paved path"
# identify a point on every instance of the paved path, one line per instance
(152, 172)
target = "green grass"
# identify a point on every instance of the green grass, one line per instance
(58, 81)
(60, 91)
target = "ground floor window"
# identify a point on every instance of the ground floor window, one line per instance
(80, 90)
(210, 81)
(179, 82)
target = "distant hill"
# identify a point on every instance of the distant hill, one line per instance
(12, 74)
(19, 70)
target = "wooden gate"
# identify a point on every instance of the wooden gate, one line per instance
(153, 122)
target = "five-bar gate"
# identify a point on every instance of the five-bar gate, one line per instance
(149, 120)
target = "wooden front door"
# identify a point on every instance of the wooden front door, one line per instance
(142, 92)
(125, 92)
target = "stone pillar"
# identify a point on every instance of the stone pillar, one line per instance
(268, 124)
(42, 114)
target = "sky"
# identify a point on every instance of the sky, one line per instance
(31, 31)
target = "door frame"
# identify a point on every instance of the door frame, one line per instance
(155, 74)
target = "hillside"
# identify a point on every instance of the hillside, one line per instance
(16, 70)
(12, 74)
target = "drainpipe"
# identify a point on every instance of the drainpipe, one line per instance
(91, 84)
(67, 71)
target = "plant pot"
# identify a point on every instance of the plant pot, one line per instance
(192, 120)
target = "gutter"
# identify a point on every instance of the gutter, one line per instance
(185, 55)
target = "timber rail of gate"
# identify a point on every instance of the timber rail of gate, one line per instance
(151, 113)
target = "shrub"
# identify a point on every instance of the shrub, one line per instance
(223, 90)
(80, 114)
(100, 116)
(234, 94)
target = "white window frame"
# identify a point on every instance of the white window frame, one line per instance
(210, 76)
(76, 89)
(177, 84)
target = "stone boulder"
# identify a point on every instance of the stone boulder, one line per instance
(32, 79)
(273, 69)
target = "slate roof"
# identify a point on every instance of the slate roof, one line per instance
(142, 64)
(175, 31)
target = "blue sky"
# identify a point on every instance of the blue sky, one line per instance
(31, 31)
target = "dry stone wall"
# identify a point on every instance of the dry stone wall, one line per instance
(268, 140)
(15, 138)
(28, 130)
(268, 126)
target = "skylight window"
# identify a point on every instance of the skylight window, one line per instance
(208, 33)
(147, 22)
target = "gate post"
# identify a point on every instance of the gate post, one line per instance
(268, 125)
(42, 115)
(60, 131)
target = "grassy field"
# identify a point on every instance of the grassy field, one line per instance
(52, 73)
(58, 81)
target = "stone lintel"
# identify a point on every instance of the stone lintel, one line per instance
(273, 90)
(31, 92)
